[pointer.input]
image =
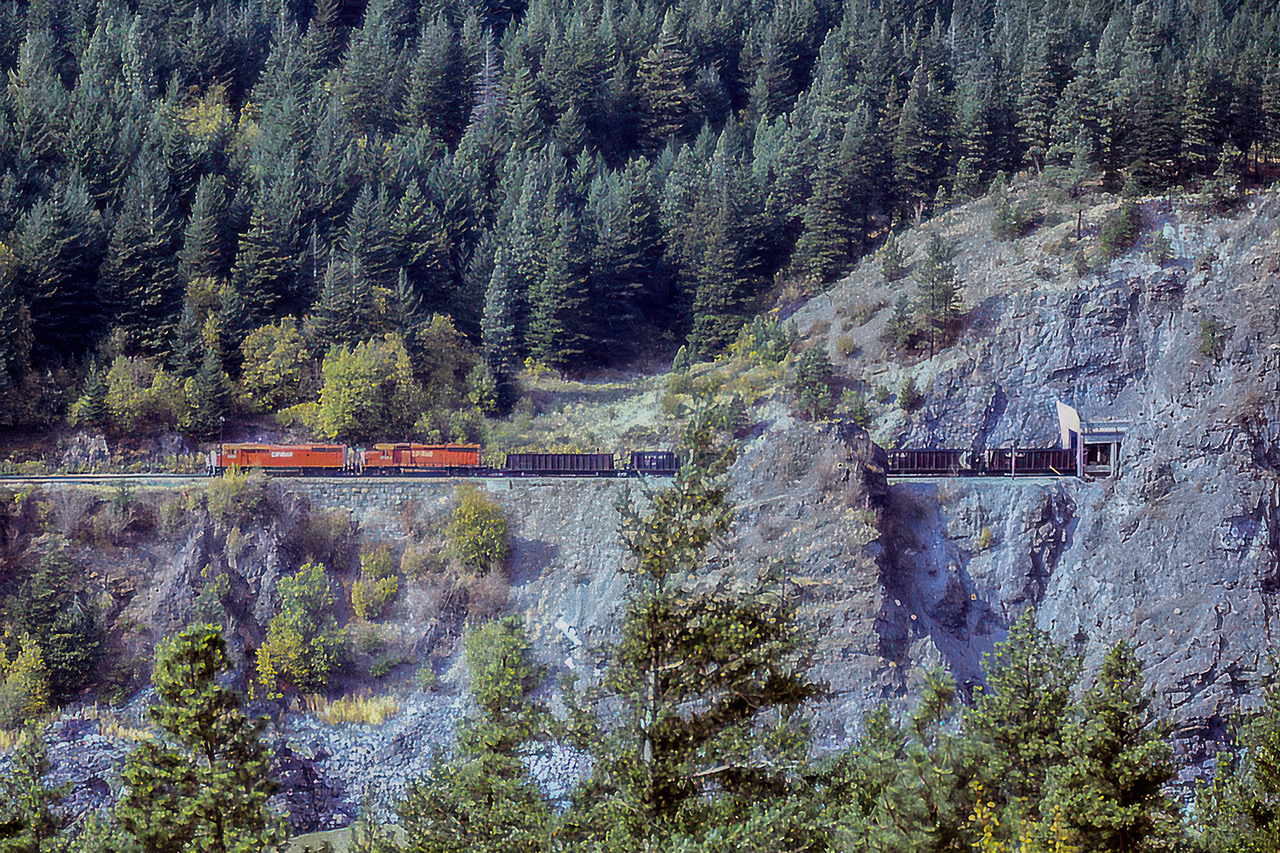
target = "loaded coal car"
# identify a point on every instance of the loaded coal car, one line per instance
(1031, 462)
(654, 463)
(561, 465)
(942, 462)
(441, 460)
(297, 459)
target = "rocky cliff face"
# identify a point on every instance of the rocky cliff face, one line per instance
(1180, 551)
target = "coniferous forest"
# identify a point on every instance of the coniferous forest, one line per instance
(199, 196)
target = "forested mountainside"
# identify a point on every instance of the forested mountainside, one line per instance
(563, 182)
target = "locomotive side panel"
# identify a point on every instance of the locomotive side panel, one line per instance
(315, 457)
(429, 457)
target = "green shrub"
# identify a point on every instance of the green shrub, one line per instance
(276, 366)
(901, 327)
(421, 559)
(1213, 337)
(326, 537)
(54, 608)
(764, 341)
(1120, 230)
(729, 414)
(24, 681)
(369, 391)
(478, 535)
(236, 495)
(813, 383)
(681, 383)
(140, 394)
(909, 396)
(1004, 224)
(303, 640)
(384, 663)
(214, 588)
(377, 586)
(1159, 249)
(860, 411)
(892, 260)
(425, 677)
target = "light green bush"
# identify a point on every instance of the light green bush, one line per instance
(236, 494)
(478, 535)
(303, 641)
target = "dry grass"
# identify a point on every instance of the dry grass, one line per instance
(370, 710)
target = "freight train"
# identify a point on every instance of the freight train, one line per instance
(1004, 462)
(431, 460)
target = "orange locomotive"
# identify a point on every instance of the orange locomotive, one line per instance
(283, 458)
(445, 459)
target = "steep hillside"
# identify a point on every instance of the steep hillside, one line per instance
(1180, 551)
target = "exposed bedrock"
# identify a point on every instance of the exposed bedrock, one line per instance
(1179, 552)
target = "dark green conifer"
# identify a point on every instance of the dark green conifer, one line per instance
(60, 246)
(1111, 788)
(557, 336)
(205, 786)
(665, 77)
(204, 252)
(140, 286)
(1018, 720)
(500, 344)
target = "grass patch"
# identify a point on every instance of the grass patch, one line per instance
(370, 710)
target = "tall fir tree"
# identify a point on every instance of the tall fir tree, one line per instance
(665, 76)
(205, 251)
(1018, 720)
(141, 289)
(557, 329)
(206, 786)
(61, 242)
(500, 342)
(1112, 786)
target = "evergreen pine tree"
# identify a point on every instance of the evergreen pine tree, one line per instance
(1111, 788)
(665, 75)
(140, 285)
(500, 346)
(31, 820)
(1035, 104)
(919, 148)
(435, 96)
(702, 674)
(61, 243)
(556, 330)
(1201, 123)
(204, 252)
(1018, 719)
(371, 78)
(367, 239)
(266, 264)
(1078, 120)
(205, 786)
(91, 409)
(938, 299)
(207, 399)
(15, 323)
(826, 245)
